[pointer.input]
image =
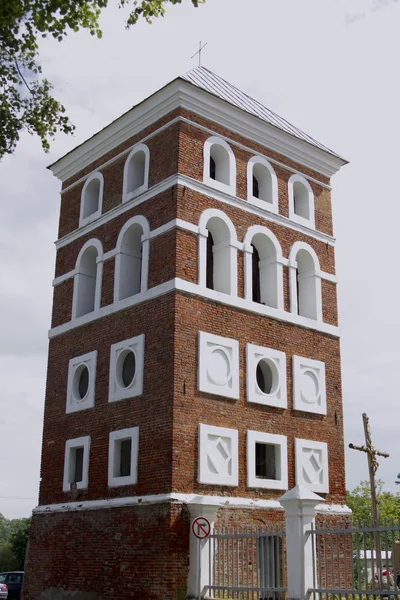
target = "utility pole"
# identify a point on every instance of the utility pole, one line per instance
(373, 464)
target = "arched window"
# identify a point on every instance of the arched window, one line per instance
(262, 184)
(305, 282)
(87, 279)
(91, 199)
(131, 262)
(217, 252)
(136, 172)
(263, 267)
(301, 200)
(219, 165)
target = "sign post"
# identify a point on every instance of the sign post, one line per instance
(201, 528)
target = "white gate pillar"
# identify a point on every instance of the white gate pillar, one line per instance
(299, 504)
(199, 553)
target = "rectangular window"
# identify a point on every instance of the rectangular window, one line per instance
(123, 457)
(76, 463)
(266, 461)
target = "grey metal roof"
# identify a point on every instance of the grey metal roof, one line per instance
(212, 83)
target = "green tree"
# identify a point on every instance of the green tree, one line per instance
(8, 562)
(359, 500)
(19, 541)
(26, 101)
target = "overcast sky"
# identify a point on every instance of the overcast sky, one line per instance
(328, 66)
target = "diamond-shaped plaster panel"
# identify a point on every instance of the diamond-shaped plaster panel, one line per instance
(312, 465)
(309, 390)
(218, 365)
(266, 367)
(218, 455)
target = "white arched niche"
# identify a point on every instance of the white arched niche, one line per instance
(87, 279)
(305, 282)
(263, 271)
(217, 252)
(132, 259)
(301, 201)
(91, 199)
(262, 184)
(136, 172)
(219, 167)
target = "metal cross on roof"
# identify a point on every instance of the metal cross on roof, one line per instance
(199, 52)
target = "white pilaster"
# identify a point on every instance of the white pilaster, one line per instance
(299, 504)
(199, 554)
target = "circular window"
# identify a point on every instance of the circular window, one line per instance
(267, 376)
(126, 369)
(81, 382)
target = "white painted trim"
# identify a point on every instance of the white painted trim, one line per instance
(117, 390)
(201, 188)
(316, 369)
(114, 437)
(322, 447)
(228, 350)
(193, 288)
(94, 215)
(79, 442)
(73, 402)
(61, 278)
(190, 499)
(278, 395)
(261, 203)
(180, 93)
(93, 242)
(279, 441)
(230, 187)
(206, 130)
(144, 271)
(316, 273)
(205, 475)
(128, 195)
(292, 214)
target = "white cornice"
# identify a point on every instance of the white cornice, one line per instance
(190, 499)
(180, 93)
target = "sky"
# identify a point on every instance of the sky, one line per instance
(331, 68)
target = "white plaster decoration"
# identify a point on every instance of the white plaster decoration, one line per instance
(222, 230)
(136, 172)
(300, 509)
(266, 376)
(81, 382)
(91, 199)
(132, 258)
(199, 553)
(267, 463)
(200, 187)
(189, 499)
(126, 369)
(309, 389)
(76, 450)
(221, 153)
(87, 279)
(305, 282)
(267, 199)
(312, 465)
(270, 266)
(218, 455)
(218, 365)
(116, 476)
(196, 290)
(301, 201)
(180, 93)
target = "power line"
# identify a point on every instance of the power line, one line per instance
(15, 498)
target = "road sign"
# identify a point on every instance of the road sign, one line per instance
(201, 528)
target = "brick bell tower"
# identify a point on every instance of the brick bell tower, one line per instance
(194, 358)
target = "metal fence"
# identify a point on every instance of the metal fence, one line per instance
(247, 563)
(359, 561)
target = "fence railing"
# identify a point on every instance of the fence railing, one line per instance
(247, 563)
(356, 561)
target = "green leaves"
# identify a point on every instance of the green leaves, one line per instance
(26, 101)
(13, 541)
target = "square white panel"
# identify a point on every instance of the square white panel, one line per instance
(126, 369)
(115, 476)
(312, 465)
(267, 461)
(81, 382)
(266, 376)
(218, 455)
(218, 365)
(309, 389)
(78, 446)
